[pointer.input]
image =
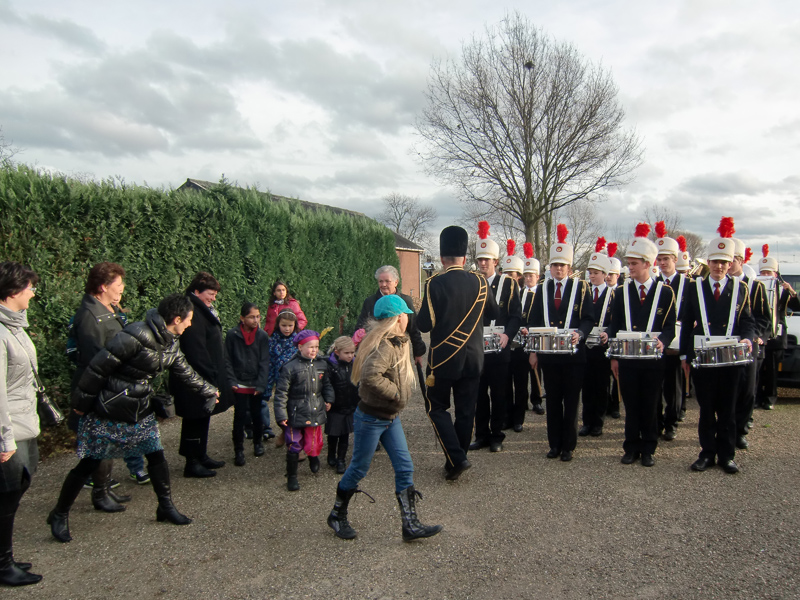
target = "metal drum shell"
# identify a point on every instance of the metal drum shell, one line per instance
(550, 343)
(646, 348)
(721, 356)
(491, 343)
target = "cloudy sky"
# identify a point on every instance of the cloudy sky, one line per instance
(318, 100)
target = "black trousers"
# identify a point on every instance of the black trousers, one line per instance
(746, 397)
(717, 390)
(613, 397)
(491, 412)
(641, 394)
(595, 387)
(562, 384)
(454, 434)
(672, 397)
(768, 378)
(519, 375)
(245, 408)
(194, 437)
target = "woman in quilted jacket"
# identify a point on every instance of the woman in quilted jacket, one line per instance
(113, 398)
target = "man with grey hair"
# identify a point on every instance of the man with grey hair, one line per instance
(388, 277)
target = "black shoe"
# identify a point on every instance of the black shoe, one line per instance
(730, 467)
(25, 566)
(291, 472)
(596, 431)
(238, 458)
(648, 460)
(629, 458)
(742, 443)
(566, 455)
(313, 464)
(669, 435)
(554, 453)
(768, 406)
(341, 467)
(248, 433)
(12, 574)
(496, 447)
(258, 449)
(412, 528)
(478, 444)
(337, 520)
(210, 463)
(681, 416)
(518, 428)
(702, 463)
(193, 468)
(454, 473)
(614, 414)
(268, 435)
(538, 409)
(331, 460)
(59, 526)
(584, 431)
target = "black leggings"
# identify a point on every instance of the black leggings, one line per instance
(88, 465)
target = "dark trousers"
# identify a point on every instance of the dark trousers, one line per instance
(613, 397)
(717, 390)
(768, 378)
(746, 398)
(562, 384)
(454, 434)
(245, 408)
(519, 374)
(595, 387)
(641, 394)
(490, 414)
(672, 396)
(194, 437)
(337, 446)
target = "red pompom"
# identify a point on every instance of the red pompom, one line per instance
(561, 232)
(612, 249)
(661, 229)
(511, 245)
(483, 229)
(765, 250)
(681, 243)
(527, 248)
(725, 228)
(601, 243)
(748, 254)
(642, 230)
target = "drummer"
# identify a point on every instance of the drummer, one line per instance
(762, 315)
(564, 303)
(684, 263)
(641, 305)
(490, 415)
(519, 369)
(612, 280)
(597, 378)
(719, 305)
(530, 276)
(671, 405)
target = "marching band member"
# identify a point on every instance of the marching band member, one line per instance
(519, 368)
(612, 281)
(530, 276)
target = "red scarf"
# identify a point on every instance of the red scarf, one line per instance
(249, 336)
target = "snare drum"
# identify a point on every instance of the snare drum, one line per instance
(559, 342)
(641, 348)
(491, 343)
(593, 339)
(722, 356)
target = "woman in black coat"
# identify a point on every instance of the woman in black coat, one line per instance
(113, 399)
(205, 351)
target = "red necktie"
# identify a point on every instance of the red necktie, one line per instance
(642, 294)
(557, 297)
(595, 294)
(716, 291)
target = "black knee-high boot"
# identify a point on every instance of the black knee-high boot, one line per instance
(11, 572)
(166, 511)
(291, 472)
(412, 528)
(333, 440)
(341, 454)
(58, 519)
(101, 499)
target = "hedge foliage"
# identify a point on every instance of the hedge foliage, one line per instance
(61, 227)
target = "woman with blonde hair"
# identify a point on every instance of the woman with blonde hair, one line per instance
(383, 370)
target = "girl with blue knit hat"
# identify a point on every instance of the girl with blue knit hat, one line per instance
(384, 372)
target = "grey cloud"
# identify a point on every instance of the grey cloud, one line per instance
(722, 184)
(679, 140)
(68, 32)
(360, 144)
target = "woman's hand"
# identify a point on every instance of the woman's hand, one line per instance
(327, 406)
(4, 456)
(77, 412)
(283, 423)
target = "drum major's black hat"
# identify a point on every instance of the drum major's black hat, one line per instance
(453, 241)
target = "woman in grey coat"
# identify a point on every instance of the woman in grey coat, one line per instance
(19, 422)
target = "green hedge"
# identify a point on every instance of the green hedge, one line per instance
(61, 227)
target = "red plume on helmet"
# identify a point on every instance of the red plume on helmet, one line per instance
(483, 229)
(681, 243)
(612, 249)
(661, 229)
(511, 245)
(748, 254)
(527, 248)
(765, 250)
(600, 244)
(642, 230)
(561, 232)
(725, 228)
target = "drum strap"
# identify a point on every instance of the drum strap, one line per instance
(570, 306)
(653, 309)
(605, 307)
(734, 299)
(545, 303)
(704, 315)
(499, 293)
(679, 301)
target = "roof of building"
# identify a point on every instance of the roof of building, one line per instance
(402, 243)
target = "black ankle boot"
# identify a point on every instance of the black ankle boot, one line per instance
(194, 468)
(291, 472)
(313, 464)
(412, 528)
(337, 520)
(238, 457)
(58, 519)
(166, 511)
(101, 499)
(11, 574)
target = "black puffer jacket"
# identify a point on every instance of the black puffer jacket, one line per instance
(117, 382)
(345, 392)
(303, 388)
(247, 365)
(93, 326)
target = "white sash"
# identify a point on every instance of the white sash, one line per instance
(569, 308)
(605, 307)
(704, 315)
(499, 293)
(653, 309)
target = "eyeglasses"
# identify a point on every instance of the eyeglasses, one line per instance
(33, 289)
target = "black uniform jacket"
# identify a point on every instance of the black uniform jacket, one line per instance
(510, 317)
(664, 321)
(368, 312)
(582, 317)
(675, 284)
(452, 295)
(759, 307)
(718, 312)
(785, 301)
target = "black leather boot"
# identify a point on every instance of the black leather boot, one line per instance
(291, 472)
(337, 520)
(100, 496)
(194, 468)
(166, 511)
(11, 574)
(313, 464)
(332, 442)
(341, 455)
(412, 528)
(58, 519)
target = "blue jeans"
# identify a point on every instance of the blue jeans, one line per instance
(265, 414)
(134, 463)
(368, 431)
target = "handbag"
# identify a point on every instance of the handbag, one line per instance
(162, 405)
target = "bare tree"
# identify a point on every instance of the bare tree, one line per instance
(525, 125)
(695, 245)
(408, 217)
(584, 227)
(7, 151)
(659, 212)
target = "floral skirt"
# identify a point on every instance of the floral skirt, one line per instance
(102, 438)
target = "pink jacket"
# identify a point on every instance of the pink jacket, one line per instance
(274, 309)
